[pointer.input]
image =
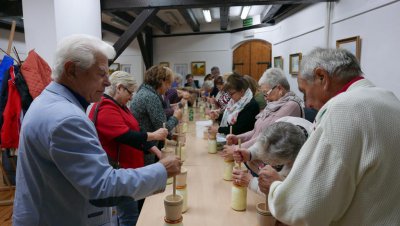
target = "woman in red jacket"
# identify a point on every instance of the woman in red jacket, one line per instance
(120, 134)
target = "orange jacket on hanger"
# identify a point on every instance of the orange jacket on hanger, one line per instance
(36, 72)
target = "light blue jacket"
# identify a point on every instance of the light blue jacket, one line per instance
(61, 166)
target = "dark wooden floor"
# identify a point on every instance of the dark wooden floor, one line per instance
(5, 211)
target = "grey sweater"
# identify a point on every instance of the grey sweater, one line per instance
(147, 107)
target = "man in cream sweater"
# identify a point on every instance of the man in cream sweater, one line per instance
(347, 172)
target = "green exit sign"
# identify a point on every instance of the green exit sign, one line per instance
(248, 22)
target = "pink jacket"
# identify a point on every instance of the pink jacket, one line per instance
(290, 108)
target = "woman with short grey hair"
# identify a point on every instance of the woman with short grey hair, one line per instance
(120, 135)
(280, 102)
(278, 146)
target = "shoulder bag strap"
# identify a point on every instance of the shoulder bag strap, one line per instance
(95, 114)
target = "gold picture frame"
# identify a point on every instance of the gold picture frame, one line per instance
(114, 67)
(278, 62)
(198, 68)
(352, 44)
(294, 63)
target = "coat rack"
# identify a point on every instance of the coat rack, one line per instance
(9, 187)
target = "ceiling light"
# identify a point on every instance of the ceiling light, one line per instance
(207, 15)
(245, 12)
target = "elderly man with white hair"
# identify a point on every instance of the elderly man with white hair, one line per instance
(347, 172)
(63, 174)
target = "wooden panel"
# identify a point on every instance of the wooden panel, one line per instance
(252, 58)
(241, 59)
(260, 58)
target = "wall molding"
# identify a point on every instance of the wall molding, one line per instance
(299, 34)
(360, 12)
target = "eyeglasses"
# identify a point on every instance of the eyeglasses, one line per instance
(127, 90)
(269, 91)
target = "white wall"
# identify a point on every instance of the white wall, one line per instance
(213, 49)
(378, 25)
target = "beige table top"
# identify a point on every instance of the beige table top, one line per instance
(209, 196)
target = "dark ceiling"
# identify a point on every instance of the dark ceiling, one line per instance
(145, 19)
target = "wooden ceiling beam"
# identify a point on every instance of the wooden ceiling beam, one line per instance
(224, 17)
(124, 16)
(157, 22)
(112, 29)
(271, 13)
(190, 19)
(133, 30)
(176, 4)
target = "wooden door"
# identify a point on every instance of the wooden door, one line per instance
(252, 58)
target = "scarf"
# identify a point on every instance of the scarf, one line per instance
(276, 105)
(233, 109)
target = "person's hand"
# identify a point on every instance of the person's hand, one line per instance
(266, 177)
(241, 155)
(159, 134)
(185, 95)
(214, 114)
(156, 151)
(231, 139)
(241, 177)
(178, 114)
(213, 129)
(183, 102)
(227, 151)
(172, 164)
(211, 100)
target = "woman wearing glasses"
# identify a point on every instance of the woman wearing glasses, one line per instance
(280, 102)
(241, 110)
(121, 136)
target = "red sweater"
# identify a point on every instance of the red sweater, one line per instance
(113, 121)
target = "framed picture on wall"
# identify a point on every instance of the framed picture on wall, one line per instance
(294, 63)
(164, 64)
(126, 68)
(198, 68)
(278, 62)
(181, 69)
(113, 67)
(352, 44)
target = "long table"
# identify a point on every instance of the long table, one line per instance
(209, 196)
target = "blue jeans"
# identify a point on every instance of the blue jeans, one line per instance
(128, 213)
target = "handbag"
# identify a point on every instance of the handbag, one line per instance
(113, 163)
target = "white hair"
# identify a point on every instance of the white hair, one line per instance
(280, 140)
(273, 77)
(337, 62)
(120, 78)
(80, 49)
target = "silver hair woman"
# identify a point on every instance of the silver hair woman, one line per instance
(120, 78)
(82, 50)
(280, 143)
(274, 77)
(121, 136)
(281, 102)
(278, 146)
